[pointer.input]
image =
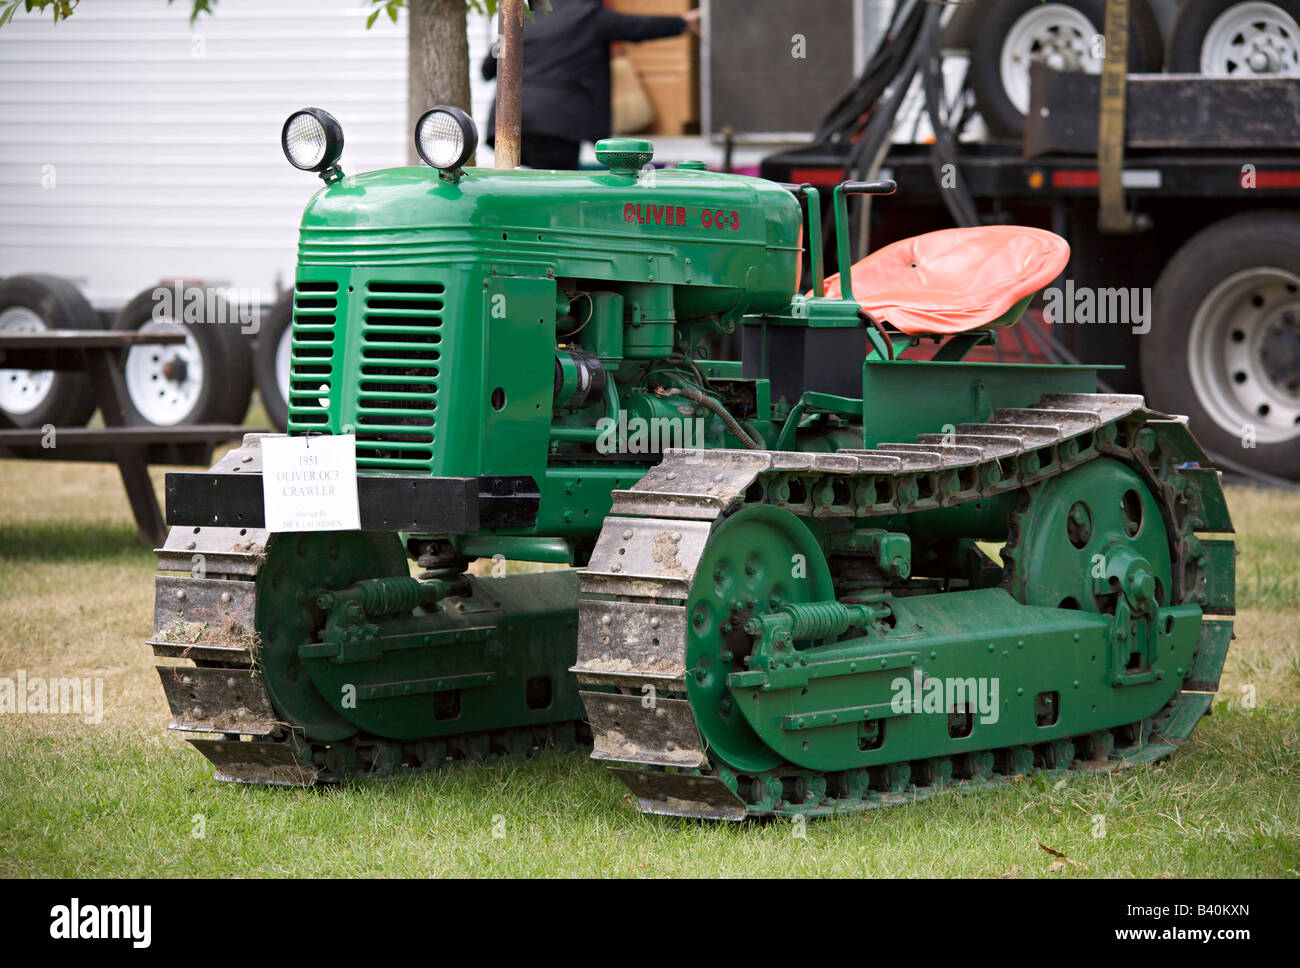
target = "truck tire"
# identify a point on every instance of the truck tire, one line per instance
(1236, 38)
(1015, 33)
(1224, 345)
(34, 398)
(207, 379)
(271, 362)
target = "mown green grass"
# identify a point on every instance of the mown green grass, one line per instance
(114, 803)
(122, 798)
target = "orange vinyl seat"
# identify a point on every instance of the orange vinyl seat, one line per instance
(955, 280)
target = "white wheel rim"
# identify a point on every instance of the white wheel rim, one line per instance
(1250, 39)
(1244, 354)
(22, 391)
(1060, 36)
(165, 382)
(283, 350)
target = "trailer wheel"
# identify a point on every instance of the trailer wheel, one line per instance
(271, 362)
(1224, 346)
(1232, 38)
(206, 379)
(1015, 33)
(34, 398)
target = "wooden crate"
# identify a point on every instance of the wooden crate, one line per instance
(667, 68)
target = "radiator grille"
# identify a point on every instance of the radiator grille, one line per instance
(397, 388)
(311, 355)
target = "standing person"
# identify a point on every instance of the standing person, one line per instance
(566, 85)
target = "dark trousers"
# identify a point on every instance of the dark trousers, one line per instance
(543, 151)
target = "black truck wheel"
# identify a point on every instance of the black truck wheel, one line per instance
(1224, 345)
(271, 361)
(1237, 38)
(206, 379)
(34, 398)
(1015, 33)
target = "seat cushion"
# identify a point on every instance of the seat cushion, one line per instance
(955, 280)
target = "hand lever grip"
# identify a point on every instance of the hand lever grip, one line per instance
(881, 186)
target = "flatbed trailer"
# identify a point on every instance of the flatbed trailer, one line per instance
(1212, 216)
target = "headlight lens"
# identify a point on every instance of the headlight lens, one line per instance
(312, 139)
(445, 137)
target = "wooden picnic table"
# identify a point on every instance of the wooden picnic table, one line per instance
(123, 440)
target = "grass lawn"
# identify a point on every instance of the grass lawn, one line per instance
(123, 797)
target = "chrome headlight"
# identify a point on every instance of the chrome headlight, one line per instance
(312, 140)
(445, 137)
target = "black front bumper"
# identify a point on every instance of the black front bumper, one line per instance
(423, 505)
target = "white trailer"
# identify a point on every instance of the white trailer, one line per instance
(137, 149)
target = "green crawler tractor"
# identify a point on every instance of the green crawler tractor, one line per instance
(828, 576)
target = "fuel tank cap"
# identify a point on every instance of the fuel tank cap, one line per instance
(624, 154)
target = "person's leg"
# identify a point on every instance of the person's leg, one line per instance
(543, 151)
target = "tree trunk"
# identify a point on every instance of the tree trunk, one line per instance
(438, 51)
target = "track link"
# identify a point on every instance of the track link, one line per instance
(633, 621)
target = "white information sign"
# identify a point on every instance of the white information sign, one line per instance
(310, 483)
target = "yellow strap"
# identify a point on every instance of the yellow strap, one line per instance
(1113, 214)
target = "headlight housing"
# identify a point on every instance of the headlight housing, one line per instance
(313, 141)
(445, 137)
